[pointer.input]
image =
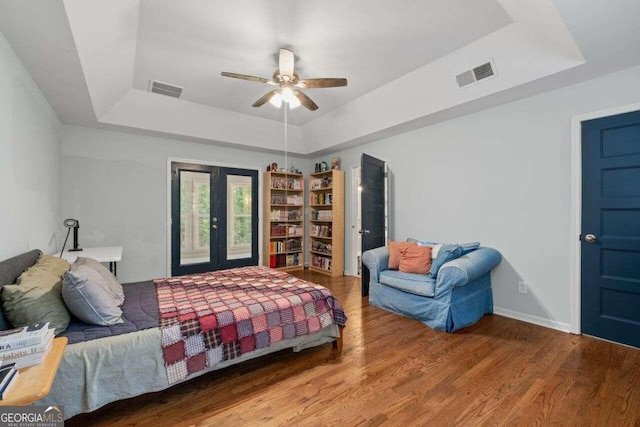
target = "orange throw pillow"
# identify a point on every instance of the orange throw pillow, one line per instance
(415, 259)
(394, 253)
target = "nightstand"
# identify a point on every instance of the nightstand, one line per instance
(111, 254)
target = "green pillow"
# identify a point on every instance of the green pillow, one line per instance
(37, 296)
(52, 264)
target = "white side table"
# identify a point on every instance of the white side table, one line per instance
(111, 254)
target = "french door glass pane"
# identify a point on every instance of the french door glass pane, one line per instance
(239, 230)
(195, 217)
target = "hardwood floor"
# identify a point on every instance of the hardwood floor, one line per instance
(397, 371)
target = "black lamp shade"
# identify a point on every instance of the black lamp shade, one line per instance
(73, 223)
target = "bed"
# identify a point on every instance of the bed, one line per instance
(176, 329)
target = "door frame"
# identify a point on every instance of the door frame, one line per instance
(208, 163)
(355, 235)
(576, 207)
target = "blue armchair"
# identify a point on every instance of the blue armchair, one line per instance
(458, 297)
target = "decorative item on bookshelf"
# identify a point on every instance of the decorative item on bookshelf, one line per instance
(335, 163)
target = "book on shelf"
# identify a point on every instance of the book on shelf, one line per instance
(320, 183)
(286, 199)
(319, 261)
(320, 230)
(284, 260)
(321, 199)
(321, 247)
(322, 215)
(285, 215)
(286, 184)
(23, 336)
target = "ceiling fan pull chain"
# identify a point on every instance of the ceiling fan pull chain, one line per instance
(286, 140)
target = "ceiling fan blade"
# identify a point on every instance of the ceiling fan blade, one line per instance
(247, 77)
(285, 64)
(266, 98)
(320, 83)
(305, 100)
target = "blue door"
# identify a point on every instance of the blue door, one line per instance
(611, 228)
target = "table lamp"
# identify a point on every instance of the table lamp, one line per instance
(72, 223)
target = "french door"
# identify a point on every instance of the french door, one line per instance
(214, 218)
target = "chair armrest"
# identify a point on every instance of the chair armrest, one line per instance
(376, 260)
(466, 269)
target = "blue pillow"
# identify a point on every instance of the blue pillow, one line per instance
(447, 252)
(422, 242)
(469, 247)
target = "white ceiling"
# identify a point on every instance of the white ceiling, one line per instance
(93, 60)
(370, 47)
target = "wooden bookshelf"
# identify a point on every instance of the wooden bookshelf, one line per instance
(326, 222)
(283, 225)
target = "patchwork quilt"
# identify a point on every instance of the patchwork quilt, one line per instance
(211, 317)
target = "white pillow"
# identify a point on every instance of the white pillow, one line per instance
(89, 298)
(435, 249)
(108, 279)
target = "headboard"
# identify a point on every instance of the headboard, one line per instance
(10, 270)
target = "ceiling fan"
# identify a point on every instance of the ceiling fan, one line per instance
(289, 84)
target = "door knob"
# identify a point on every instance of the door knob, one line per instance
(364, 231)
(214, 226)
(590, 238)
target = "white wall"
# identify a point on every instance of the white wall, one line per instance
(116, 186)
(29, 162)
(501, 176)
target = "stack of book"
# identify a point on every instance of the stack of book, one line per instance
(8, 375)
(27, 345)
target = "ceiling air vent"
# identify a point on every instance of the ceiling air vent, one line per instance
(474, 75)
(165, 88)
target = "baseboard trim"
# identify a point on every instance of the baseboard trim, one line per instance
(540, 321)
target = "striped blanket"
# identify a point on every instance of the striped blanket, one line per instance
(211, 317)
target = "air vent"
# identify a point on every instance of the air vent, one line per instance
(474, 75)
(165, 88)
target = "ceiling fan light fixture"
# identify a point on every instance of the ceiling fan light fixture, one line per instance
(287, 94)
(276, 100)
(294, 103)
(287, 80)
